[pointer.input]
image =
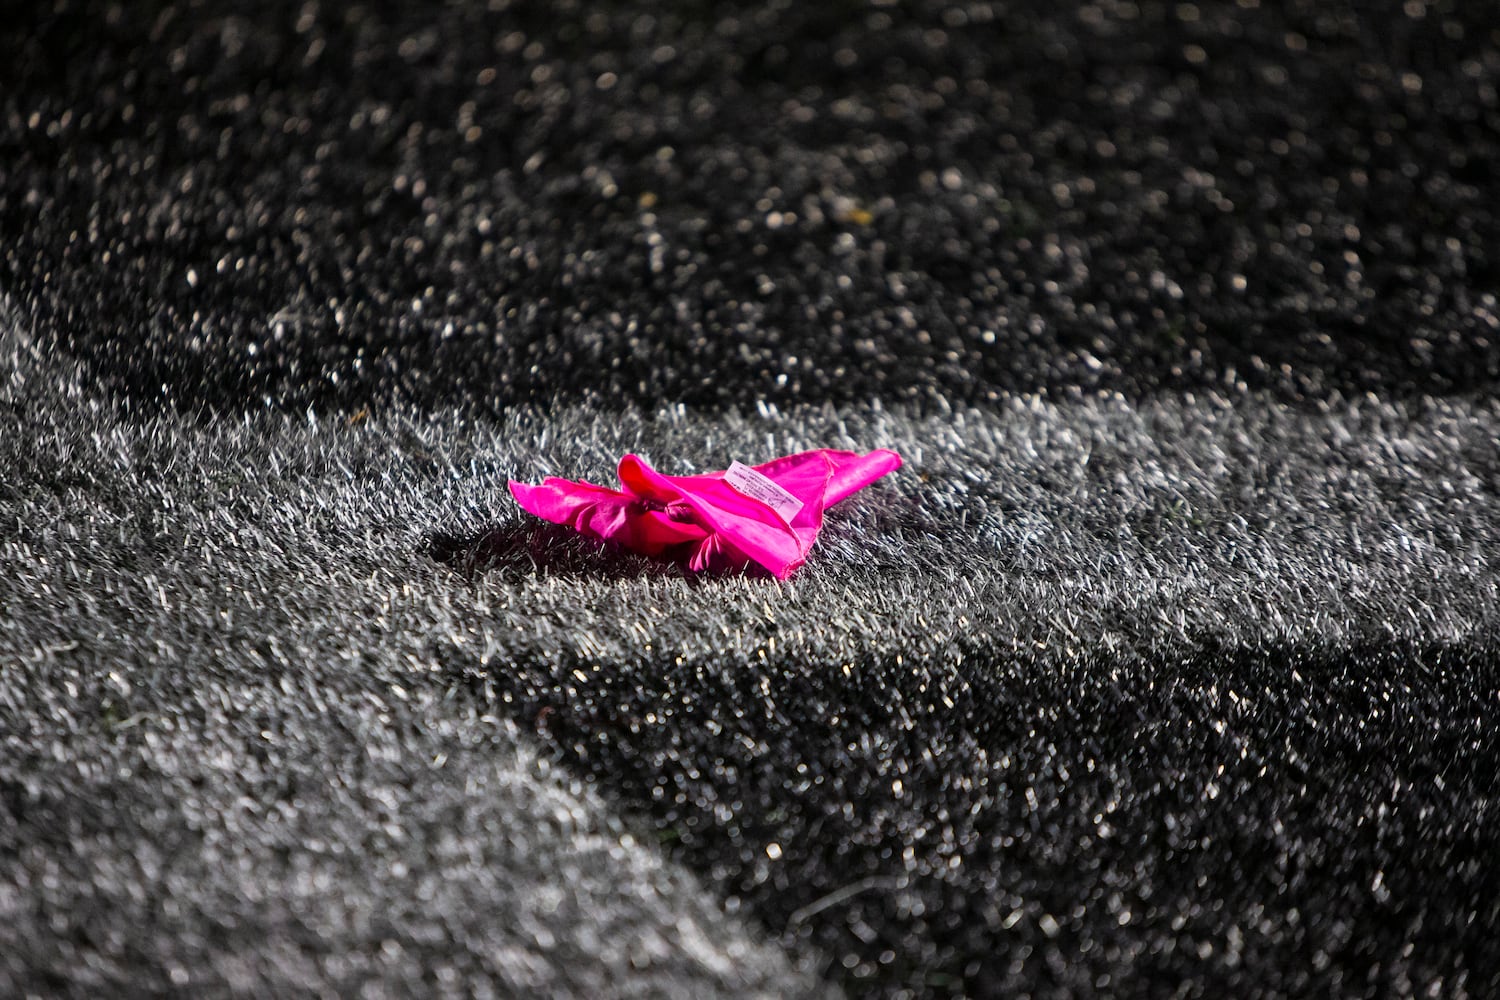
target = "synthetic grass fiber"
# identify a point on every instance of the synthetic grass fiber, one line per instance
(1166, 666)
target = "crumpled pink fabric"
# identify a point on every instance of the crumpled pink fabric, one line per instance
(705, 519)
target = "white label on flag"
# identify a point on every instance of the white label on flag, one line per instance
(757, 486)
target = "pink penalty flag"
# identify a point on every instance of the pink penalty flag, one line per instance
(768, 514)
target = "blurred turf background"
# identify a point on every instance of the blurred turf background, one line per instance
(1166, 666)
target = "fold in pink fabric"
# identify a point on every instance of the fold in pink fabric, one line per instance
(768, 514)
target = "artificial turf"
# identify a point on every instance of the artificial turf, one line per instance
(1165, 666)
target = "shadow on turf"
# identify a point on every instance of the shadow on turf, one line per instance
(543, 550)
(547, 550)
